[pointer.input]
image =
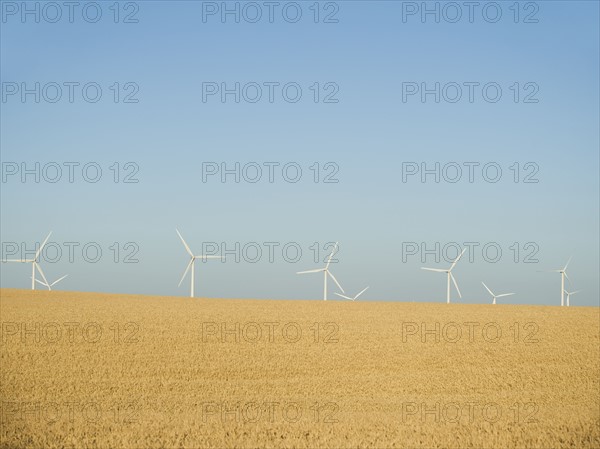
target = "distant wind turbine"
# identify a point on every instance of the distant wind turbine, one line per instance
(191, 263)
(326, 272)
(34, 263)
(495, 296)
(355, 298)
(569, 296)
(52, 284)
(563, 275)
(450, 275)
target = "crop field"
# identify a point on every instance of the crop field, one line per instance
(124, 371)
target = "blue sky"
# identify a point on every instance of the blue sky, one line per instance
(368, 57)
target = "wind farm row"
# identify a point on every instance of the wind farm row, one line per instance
(190, 268)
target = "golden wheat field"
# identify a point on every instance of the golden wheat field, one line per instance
(122, 371)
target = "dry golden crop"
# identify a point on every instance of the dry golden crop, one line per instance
(122, 371)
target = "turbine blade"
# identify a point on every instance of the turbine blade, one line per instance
(343, 296)
(186, 271)
(576, 291)
(331, 255)
(456, 285)
(18, 260)
(58, 280)
(41, 272)
(335, 280)
(504, 294)
(310, 271)
(187, 248)
(39, 282)
(439, 270)
(567, 276)
(568, 262)
(457, 259)
(41, 247)
(486, 287)
(362, 291)
(205, 258)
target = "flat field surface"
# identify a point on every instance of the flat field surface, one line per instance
(123, 371)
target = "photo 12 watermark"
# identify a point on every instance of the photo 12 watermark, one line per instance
(471, 172)
(62, 12)
(466, 92)
(270, 92)
(254, 332)
(71, 332)
(469, 332)
(53, 172)
(470, 12)
(70, 92)
(474, 252)
(269, 252)
(271, 172)
(71, 252)
(68, 412)
(471, 412)
(291, 412)
(270, 12)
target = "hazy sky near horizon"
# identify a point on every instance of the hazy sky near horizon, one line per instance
(333, 89)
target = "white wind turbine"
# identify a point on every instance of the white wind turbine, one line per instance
(356, 297)
(191, 263)
(450, 275)
(563, 275)
(496, 296)
(52, 284)
(325, 273)
(569, 296)
(34, 263)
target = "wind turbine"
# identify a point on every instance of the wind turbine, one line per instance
(495, 296)
(53, 283)
(569, 296)
(563, 275)
(355, 298)
(325, 273)
(191, 263)
(34, 263)
(449, 274)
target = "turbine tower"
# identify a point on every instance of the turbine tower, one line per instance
(495, 296)
(191, 263)
(563, 275)
(34, 263)
(355, 297)
(569, 296)
(449, 275)
(326, 273)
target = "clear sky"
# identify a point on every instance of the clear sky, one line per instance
(371, 62)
